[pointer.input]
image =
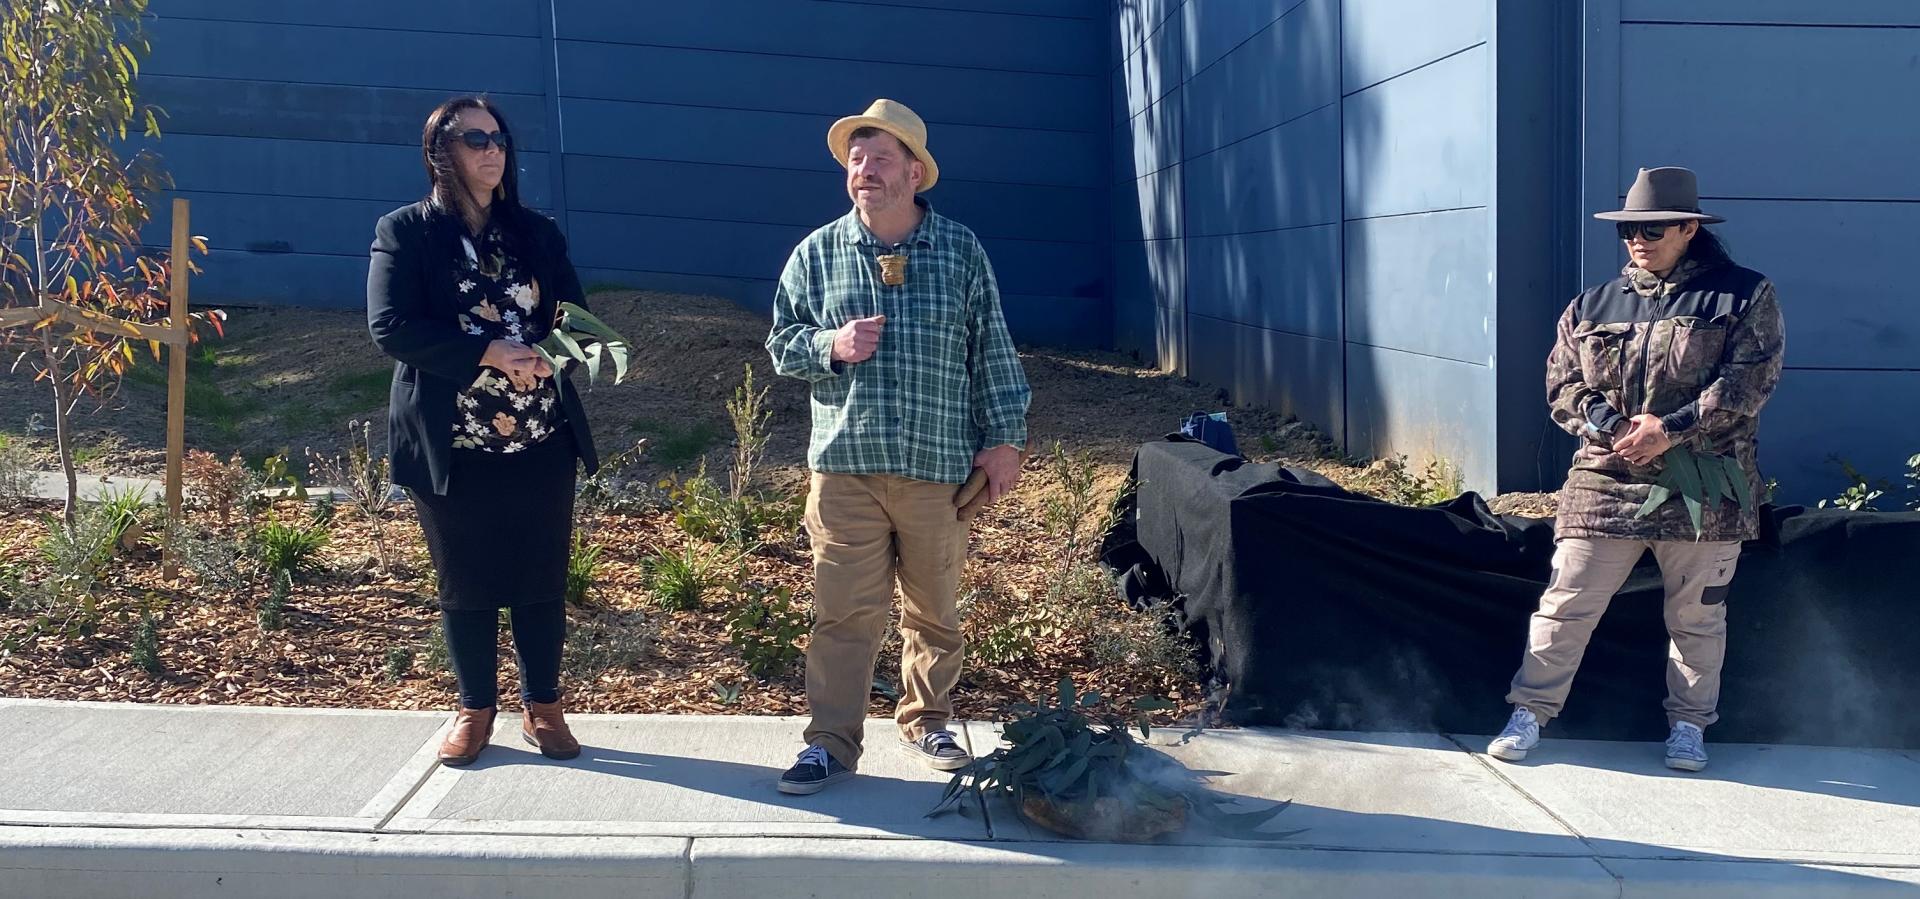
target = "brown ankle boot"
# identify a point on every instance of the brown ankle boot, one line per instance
(472, 728)
(543, 725)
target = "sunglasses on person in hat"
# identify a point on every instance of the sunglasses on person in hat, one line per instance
(475, 139)
(1651, 232)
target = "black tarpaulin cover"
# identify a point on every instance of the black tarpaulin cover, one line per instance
(1325, 609)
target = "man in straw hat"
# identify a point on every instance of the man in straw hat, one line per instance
(892, 314)
(1660, 372)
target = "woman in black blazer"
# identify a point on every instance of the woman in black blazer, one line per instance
(482, 432)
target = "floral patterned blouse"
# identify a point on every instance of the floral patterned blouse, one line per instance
(500, 413)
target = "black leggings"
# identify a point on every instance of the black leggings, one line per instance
(473, 646)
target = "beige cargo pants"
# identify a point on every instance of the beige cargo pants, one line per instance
(1586, 575)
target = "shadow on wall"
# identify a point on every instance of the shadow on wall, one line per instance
(1234, 268)
(1148, 249)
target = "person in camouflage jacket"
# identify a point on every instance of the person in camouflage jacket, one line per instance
(1682, 350)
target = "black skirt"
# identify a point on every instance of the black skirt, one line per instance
(501, 535)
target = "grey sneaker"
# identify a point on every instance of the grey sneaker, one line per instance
(939, 750)
(1686, 747)
(1521, 734)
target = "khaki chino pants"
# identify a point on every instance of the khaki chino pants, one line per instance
(868, 531)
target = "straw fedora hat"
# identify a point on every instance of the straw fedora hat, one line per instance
(1667, 194)
(895, 119)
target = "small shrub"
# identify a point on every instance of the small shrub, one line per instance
(1142, 641)
(365, 477)
(615, 488)
(13, 584)
(433, 649)
(16, 472)
(582, 562)
(1436, 482)
(217, 560)
(399, 663)
(1066, 513)
(1439, 482)
(145, 653)
(675, 447)
(218, 486)
(766, 628)
(614, 642)
(87, 454)
(125, 508)
(87, 546)
(704, 511)
(1913, 482)
(749, 413)
(291, 549)
(273, 609)
(728, 694)
(680, 581)
(999, 628)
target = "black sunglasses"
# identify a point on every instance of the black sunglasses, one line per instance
(476, 139)
(1652, 232)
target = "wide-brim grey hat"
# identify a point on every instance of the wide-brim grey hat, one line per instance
(1666, 194)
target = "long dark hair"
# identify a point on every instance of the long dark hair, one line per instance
(447, 193)
(1708, 249)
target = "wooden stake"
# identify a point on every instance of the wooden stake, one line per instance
(176, 386)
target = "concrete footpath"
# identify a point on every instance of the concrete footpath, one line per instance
(110, 800)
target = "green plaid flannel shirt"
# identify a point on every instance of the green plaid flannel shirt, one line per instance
(945, 381)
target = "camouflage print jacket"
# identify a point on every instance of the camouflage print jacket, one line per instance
(1701, 349)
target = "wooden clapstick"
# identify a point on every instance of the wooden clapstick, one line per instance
(972, 496)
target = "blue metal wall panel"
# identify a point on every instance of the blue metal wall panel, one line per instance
(1156, 68)
(1382, 39)
(1816, 419)
(845, 31)
(788, 197)
(1150, 208)
(830, 87)
(1091, 10)
(324, 169)
(1284, 178)
(1401, 403)
(1268, 368)
(1216, 27)
(798, 141)
(1149, 301)
(1860, 314)
(695, 132)
(1424, 283)
(1422, 141)
(1137, 20)
(298, 279)
(1773, 12)
(280, 224)
(1242, 94)
(1150, 141)
(1721, 94)
(1278, 280)
(315, 54)
(510, 17)
(330, 112)
(742, 250)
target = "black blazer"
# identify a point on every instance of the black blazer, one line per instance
(413, 313)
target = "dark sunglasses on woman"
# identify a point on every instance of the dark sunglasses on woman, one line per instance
(476, 139)
(1652, 232)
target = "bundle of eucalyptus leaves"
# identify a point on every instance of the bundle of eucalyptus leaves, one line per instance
(580, 336)
(1084, 775)
(1700, 480)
